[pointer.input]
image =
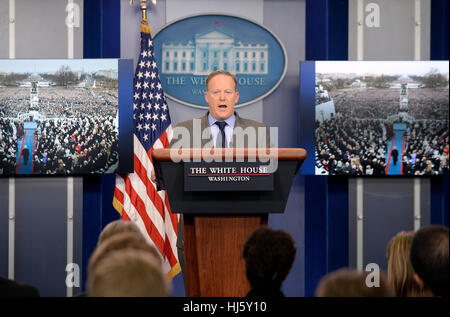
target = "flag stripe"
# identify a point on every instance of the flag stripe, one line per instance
(174, 217)
(140, 170)
(165, 142)
(139, 206)
(125, 216)
(150, 209)
(169, 253)
(118, 194)
(133, 215)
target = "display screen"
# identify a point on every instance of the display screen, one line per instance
(59, 116)
(379, 118)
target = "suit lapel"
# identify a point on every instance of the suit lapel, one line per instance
(205, 125)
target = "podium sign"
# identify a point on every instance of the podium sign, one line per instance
(227, 176)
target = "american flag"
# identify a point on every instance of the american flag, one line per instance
(135, 196)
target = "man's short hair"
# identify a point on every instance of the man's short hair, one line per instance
(429, 258)
(269, 255)
(221, 72)
(128, 273)
(350, 283)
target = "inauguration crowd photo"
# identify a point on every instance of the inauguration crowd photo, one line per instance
(376, 124)
(60, 122)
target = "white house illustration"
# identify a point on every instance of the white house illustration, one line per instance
(212, 51)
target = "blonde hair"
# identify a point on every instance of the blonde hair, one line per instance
(128, 273)
(125, 240)
(116, 227)
(400, 270)
(221, 72)
(351, 283)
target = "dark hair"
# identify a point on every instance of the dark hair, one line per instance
(429, 258)
(269, 255)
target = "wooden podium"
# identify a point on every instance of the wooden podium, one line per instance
(217, 223)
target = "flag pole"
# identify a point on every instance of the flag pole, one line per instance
(143, 5)
(144, 9)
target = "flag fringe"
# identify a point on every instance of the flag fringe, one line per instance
(144, 27)
(118, 205)
(174, 271)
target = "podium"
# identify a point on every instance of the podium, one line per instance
(217, 222)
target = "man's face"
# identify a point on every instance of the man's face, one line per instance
(221, 96)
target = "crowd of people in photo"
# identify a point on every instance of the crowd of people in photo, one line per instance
(349, 146)
(380, 103)
(77, 134)
(367, 103)
(14, 100)
(427, 103)
(8, 145)
(321, 97)
(57, 102)
(76, 146)
(426, 150)
(354, 140)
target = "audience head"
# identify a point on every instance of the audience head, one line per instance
(120, 242)
(351, 283)
(429, 258)
(116, 227)
(400, 272)
(128, 273)
(269, 255)
(124, 240)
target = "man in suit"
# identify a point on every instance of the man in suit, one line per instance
(395, 155)
(221, 126)
(25, 154)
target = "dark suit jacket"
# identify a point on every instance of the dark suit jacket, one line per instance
(25, 154)
(394, 153)
(201, 127)
(10, 288)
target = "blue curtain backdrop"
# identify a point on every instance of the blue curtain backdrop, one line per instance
(101, 39)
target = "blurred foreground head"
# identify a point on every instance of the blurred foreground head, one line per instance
(269, 255)
(400, 271)
(126, 261)
(128, 273)
(351, 283)
(116, 227)
(429, 258)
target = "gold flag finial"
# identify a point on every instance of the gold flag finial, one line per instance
(143, 5)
